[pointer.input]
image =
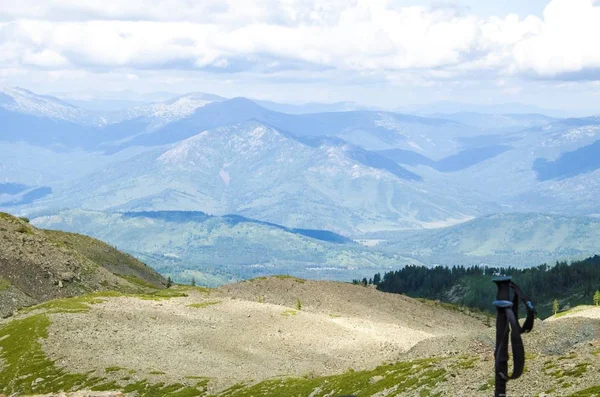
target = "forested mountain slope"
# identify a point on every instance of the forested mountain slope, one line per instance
(571, 284)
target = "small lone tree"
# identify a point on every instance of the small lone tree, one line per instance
(298, 304)
(597, 298)
(193, 281)
(555, 306)
(169, 282)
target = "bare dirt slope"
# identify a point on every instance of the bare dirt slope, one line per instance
(279, 337)
(579, 311)
(37, 265)
(249, 331)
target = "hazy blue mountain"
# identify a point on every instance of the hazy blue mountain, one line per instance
(312, 107)
(12, 188)
(582, 160)
(24, 102)
(232, 220)
(445, 107)
(366, 129)
(350, 171)
(28, 197)
(43, 131)
(536, 173)
(111, 102)
(498, 122)
(161, 113)
(105, 105)
(503, 239)
(41, 120)
(46, 121)
(457, 162)
(216, 250)
(262, 173)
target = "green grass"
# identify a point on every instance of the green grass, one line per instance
(576, 372)
(569, 357)
(113, 369)
(4, 284)
(181, 287)
(24, 229)
(407, 378)
(593, 391)
(564, 375)
(287, 276)
(571, 311)
(138, 281)
(466, 362)
(204, 304)
(487, 385)
(8, 217)
(161, 294)
(24, 361)
(288, 313)
(143, 388)
(279, 276)
(79, 304)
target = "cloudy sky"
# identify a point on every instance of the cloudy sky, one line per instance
(378, 52)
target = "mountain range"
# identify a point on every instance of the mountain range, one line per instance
(348, 170)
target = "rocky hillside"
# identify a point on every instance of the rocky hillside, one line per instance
(37, 265)
(279, 337)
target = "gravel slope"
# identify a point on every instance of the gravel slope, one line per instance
(240, 332)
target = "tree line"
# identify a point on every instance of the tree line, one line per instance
(572, 284)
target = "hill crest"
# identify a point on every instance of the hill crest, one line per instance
(37, 265)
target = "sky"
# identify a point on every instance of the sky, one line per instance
(387, 53)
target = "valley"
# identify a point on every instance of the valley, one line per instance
(299, 198)
(453, 188)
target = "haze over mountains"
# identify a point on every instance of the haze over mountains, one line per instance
(346, 169)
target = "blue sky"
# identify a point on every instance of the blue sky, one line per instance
(388, 53)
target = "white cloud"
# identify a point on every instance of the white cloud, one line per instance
(567, 41)
(45, 59)
(356, 36)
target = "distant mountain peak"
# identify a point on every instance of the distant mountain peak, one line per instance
(197, 95)
(239, 139)
(161, 113)
(21, 100)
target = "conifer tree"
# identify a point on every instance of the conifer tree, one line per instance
(193, 281)
(597, 298)
(169, 282)
(377, 278)
(555, 306)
